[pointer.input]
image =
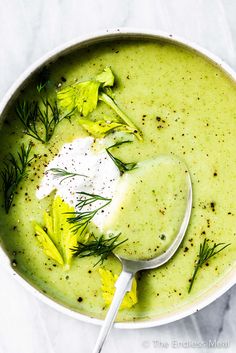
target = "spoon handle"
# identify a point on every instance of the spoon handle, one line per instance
(123, 284)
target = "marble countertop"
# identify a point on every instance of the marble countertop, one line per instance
(28, 29)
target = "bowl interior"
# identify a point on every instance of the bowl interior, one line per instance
(204, 299)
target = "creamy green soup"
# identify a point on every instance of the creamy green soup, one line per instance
(185, 108)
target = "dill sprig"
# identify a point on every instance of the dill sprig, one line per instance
(82, 218)
(64, 174)
(40, 118)
(100, 246)
(13, 172)
(90, 199)
(205, 253)
(41, 86)
(122, 166)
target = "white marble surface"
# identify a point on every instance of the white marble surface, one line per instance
(28, 29)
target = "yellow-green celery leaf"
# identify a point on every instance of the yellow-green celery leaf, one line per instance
(108, 289)
(83, 96)
(106, 77)
(47, 244)
(66, 98)
(101, 128)
(58, 239)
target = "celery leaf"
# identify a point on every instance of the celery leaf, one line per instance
(83, 96)
(108, 289)
(56, 236)
(106, 77)
(101, 128)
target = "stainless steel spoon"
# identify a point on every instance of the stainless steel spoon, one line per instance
(130, 267)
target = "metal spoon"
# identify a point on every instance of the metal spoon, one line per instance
(130, 267)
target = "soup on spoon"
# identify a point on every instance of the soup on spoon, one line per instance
(169, 172)
(148, 207)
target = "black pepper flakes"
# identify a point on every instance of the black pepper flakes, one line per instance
(212, 205)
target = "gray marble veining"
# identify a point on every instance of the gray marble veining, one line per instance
(28, 29)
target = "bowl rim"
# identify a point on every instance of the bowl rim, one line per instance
(226, 281)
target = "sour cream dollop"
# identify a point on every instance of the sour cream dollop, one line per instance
(82, 156)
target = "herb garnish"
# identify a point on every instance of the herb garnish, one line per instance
(108, 280)
(82, 218)
(64, 174)
(100, 246)
(84, 97)
(55, 235)
(13, 173)
(205, 253)
(101, 128)
(122, 166)
(40, 118)
(41, 86)
(108, 100)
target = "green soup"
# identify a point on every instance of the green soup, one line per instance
(186, 109)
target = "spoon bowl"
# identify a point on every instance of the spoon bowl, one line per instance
(131, 267)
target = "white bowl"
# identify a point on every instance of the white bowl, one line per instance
(227, 281)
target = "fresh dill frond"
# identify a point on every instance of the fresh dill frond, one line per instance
(64, 174)
(43, 79)
(205, 253)
(40, 118)
(122, 166)
(99, 246)
(90, 199)
(82, 218)
(41, 86)
(13, 172)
